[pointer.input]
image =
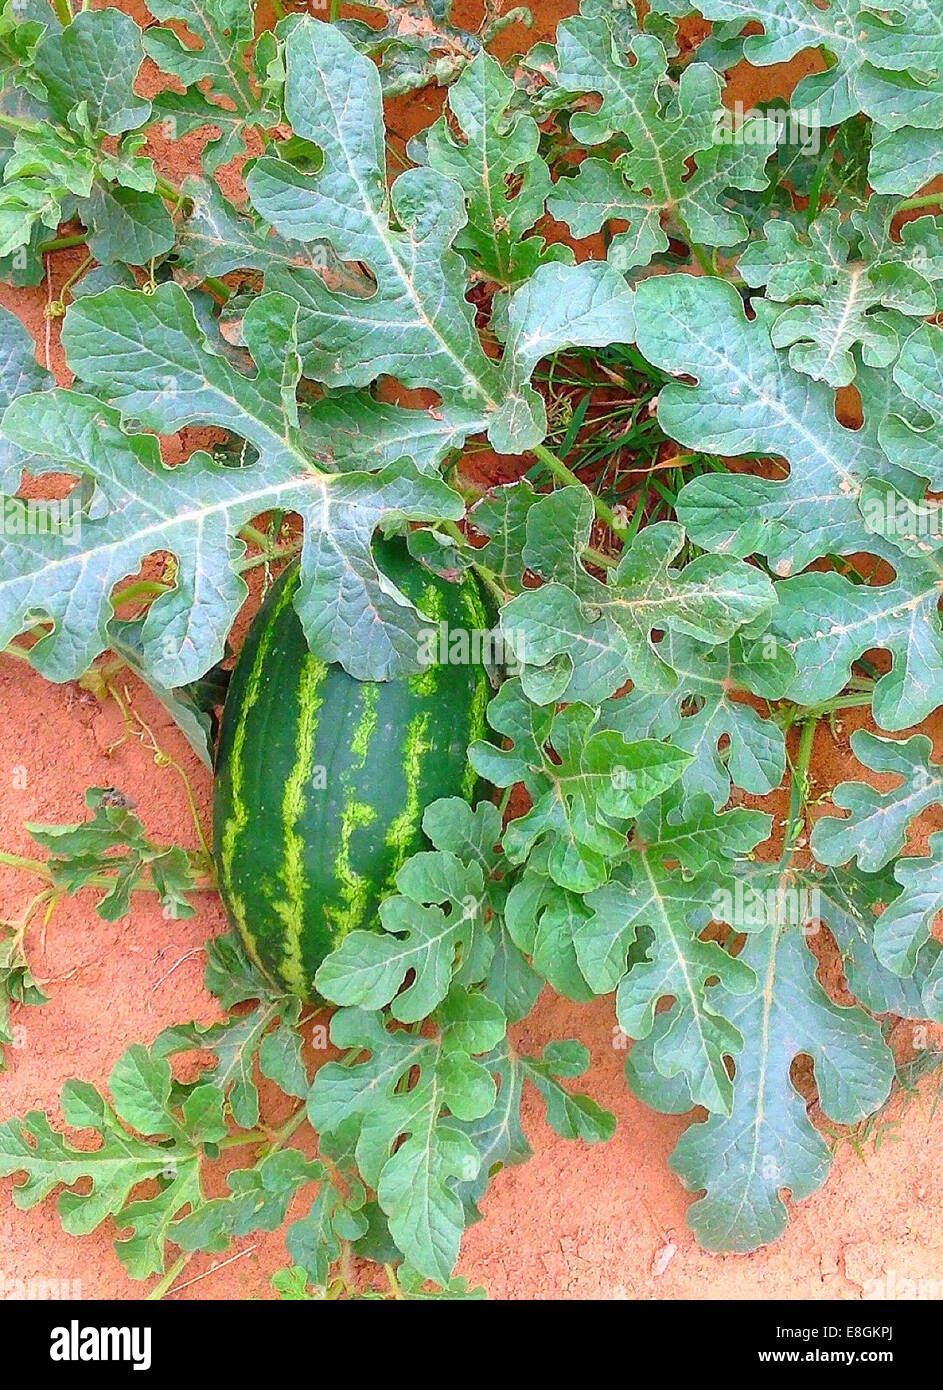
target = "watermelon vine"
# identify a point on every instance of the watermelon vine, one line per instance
(705, 347)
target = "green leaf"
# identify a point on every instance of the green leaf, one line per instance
(543, 921)
(408, 1146)
(470, 833)
(216, 237)
(258, 1201)
(429, 925)
(730, 743)
(433, 927)
(694, 834)
(876, 830)
(93, 64)
(571, 1115)
(130, 226)
(499, 1136)
(672, 908)
(494, 148)
(291, 1284)
(141, 1086)
(214, 70)
(827, 622)
(847, 902)
(17, 986)
(241, 1043)
(580, 638)
(584, 785)
(903, 929)
(666, 128)
(902, 161)
(20, 374)
(148, 353)
(502, 517)
(748, 400)
(848, 285)
(232, 976)
(910, 433)
(743, 1161)
(80, 855)
(42, 177)
(314, 1241)
(885, 65)
(418, 326)
(901, 513)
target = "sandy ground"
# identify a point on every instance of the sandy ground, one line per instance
(577, 1221)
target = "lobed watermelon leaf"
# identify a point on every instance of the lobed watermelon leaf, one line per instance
(728, 381)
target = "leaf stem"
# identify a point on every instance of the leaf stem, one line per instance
(142, 588)
(288, 1128)
(18, 122)
(923, 200)
(62, 243)
(217, 287)
(800, 787)
(103, 880)
(276, 1139)
(177, 1268)
(697, 251)
(789, 717)
(566, 475)
(32, 866)
(168, 190)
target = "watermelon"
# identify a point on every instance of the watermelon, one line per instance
(322, 780)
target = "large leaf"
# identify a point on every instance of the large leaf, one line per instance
(902, 933)
(141, 1087)
(841, 300)
(748, 400)
(218, 79)
(415, 1179)
(418, 325)
(666, 128)
(651, 895)
(904, 160)
(20, 374)
(94, 60)
(847, 902)
(584, 785)
(885, 64)
(730, 742)
(744, 1161)
(148, 354)
(828, 622)
(429, 926)
(876, 830)
(579, 638)
(494, 159)
(911, 431)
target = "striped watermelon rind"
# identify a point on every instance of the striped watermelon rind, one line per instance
(322, 780)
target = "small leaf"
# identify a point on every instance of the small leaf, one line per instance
(876, 830)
